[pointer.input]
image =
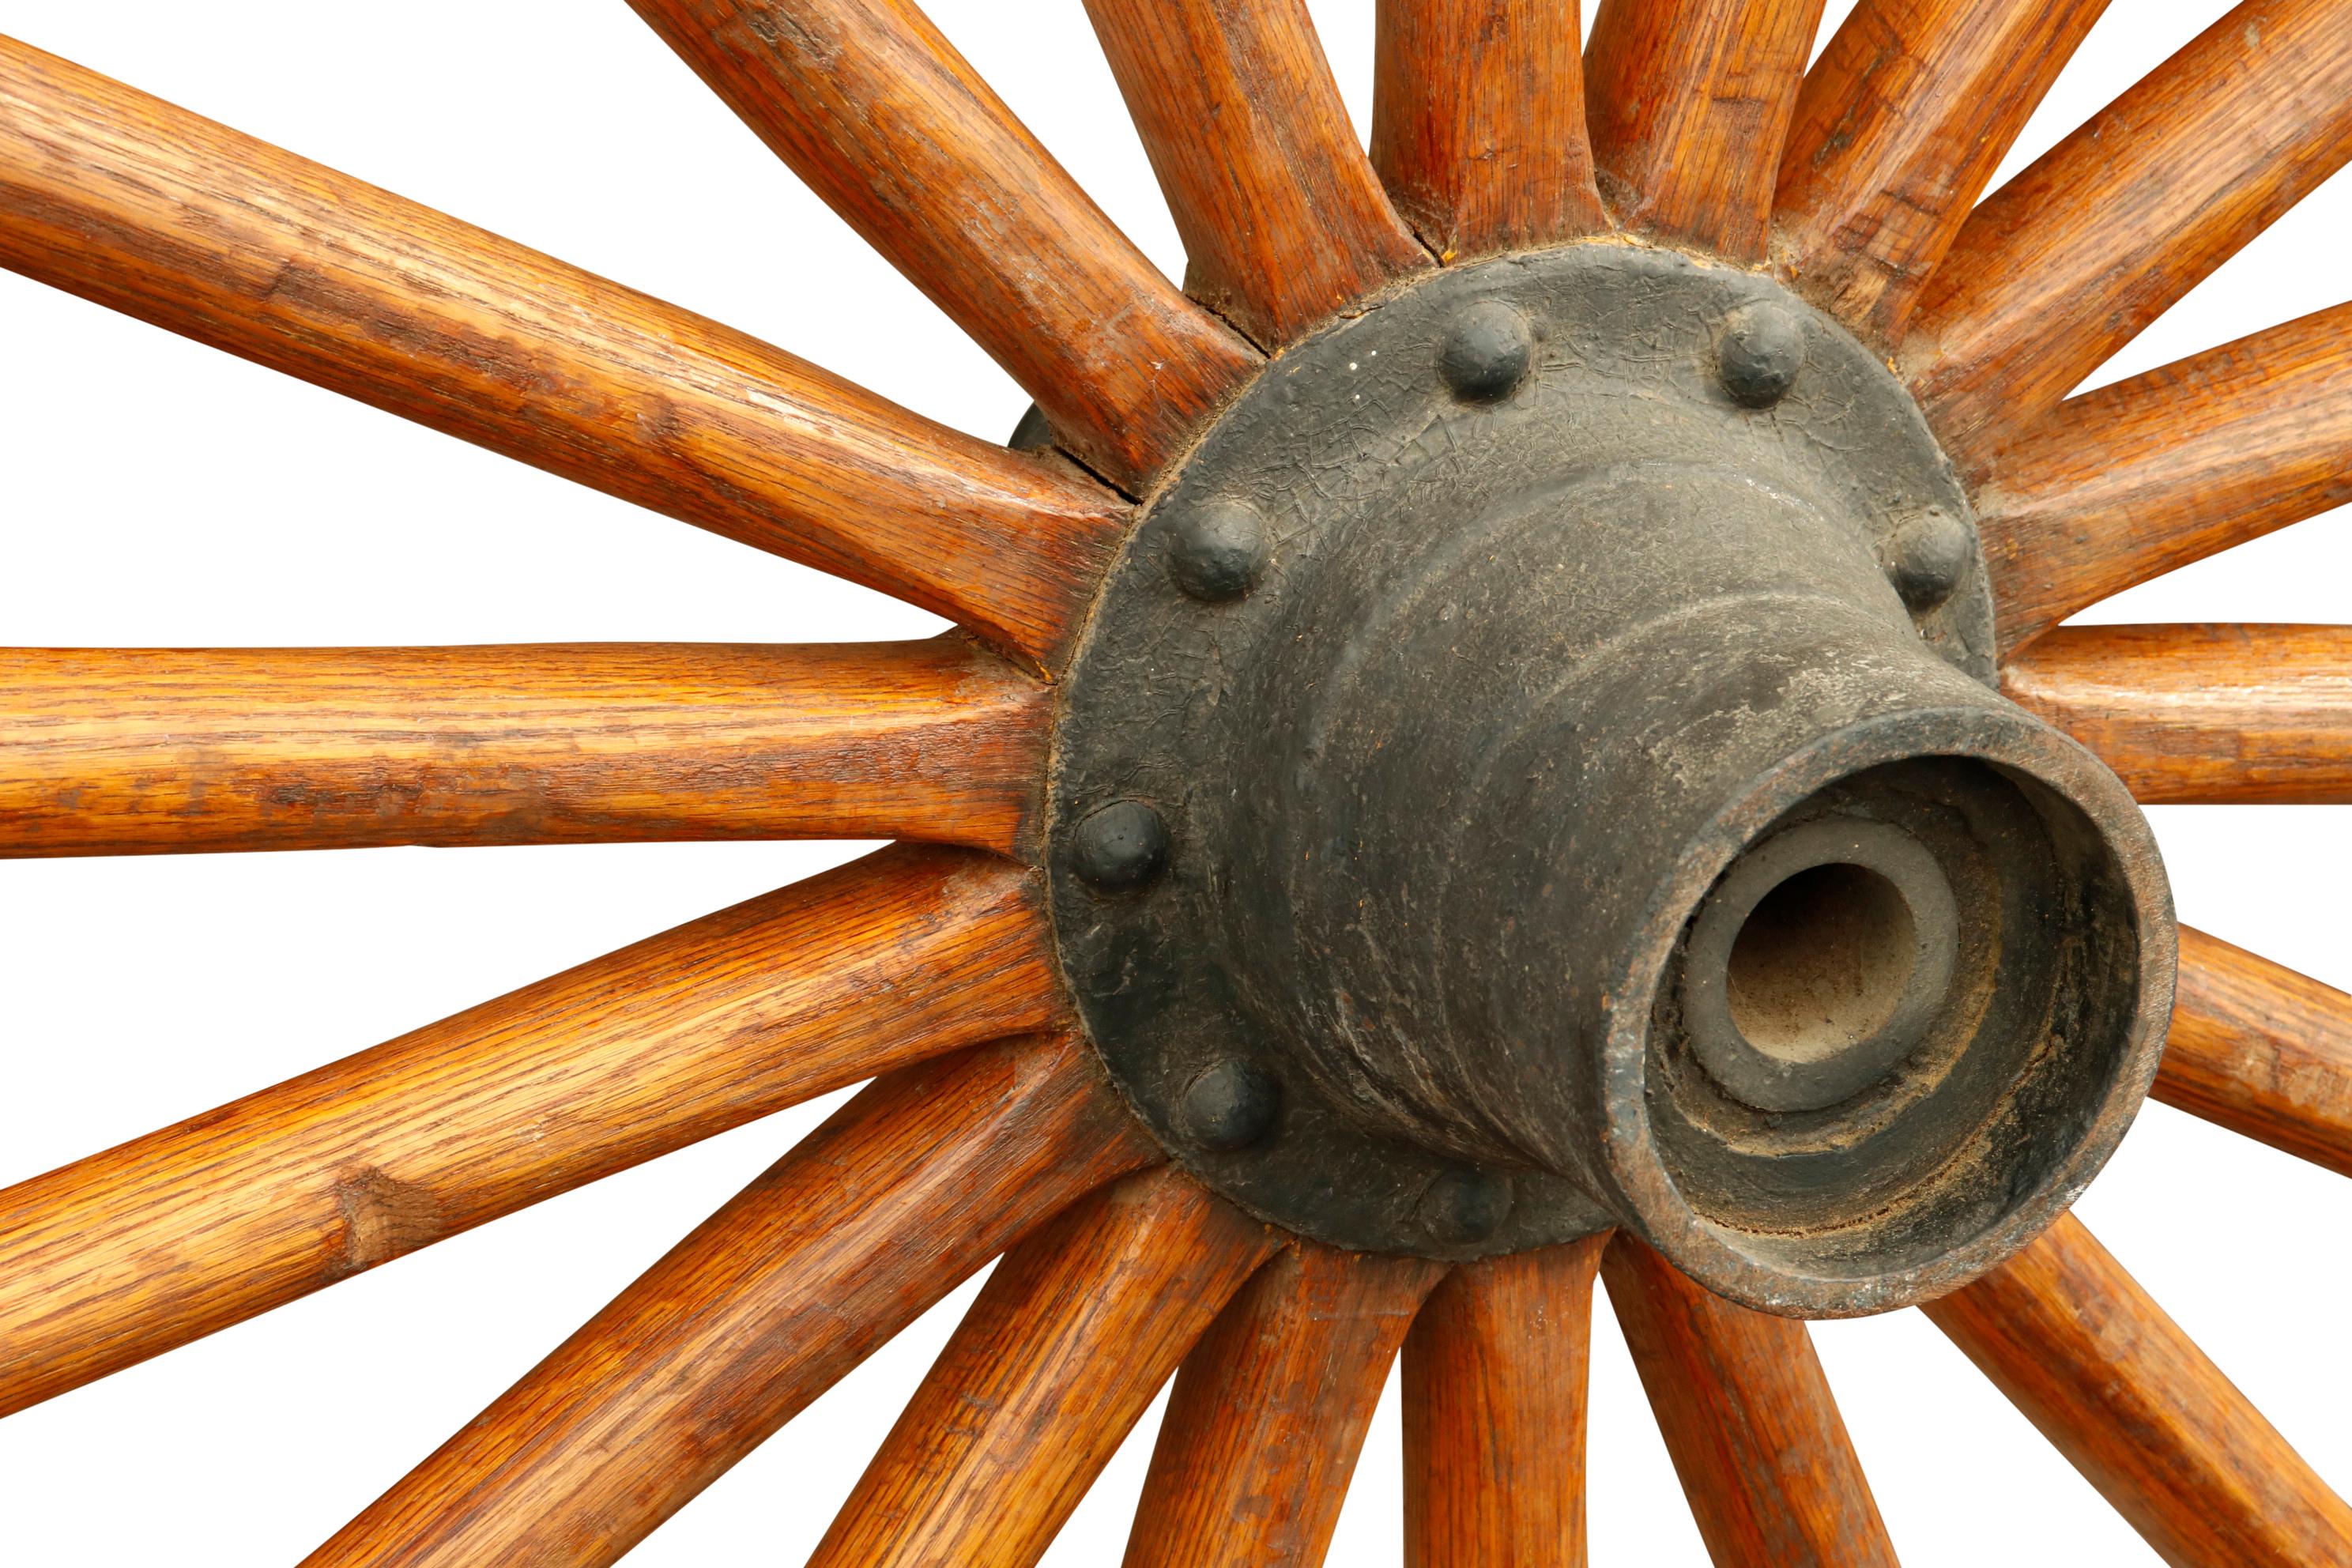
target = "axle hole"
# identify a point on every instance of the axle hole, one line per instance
(1821, 963)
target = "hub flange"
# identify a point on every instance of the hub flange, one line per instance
(1534, 769)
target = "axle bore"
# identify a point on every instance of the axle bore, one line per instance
(1819, 961)
(1592, 810)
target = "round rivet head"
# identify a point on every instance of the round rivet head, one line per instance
(1463, 1207)
(1761, 355)
(1487, 352)
(1218, 551)
(1230, 1107)
(1122, 845)
(1928, 556)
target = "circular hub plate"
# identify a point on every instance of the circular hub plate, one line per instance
(1359, 456)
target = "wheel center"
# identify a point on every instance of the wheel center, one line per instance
(1534, 769)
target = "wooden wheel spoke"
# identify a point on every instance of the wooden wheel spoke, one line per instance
(1060, 1355)
(2067, 262)
(2114, 1384)
(2126, 483)
(146, 208)
(875, 109)
(907, 954)
(2202, 714)
(1283, 219)
(1495, 1378)
(1478, 123)
(1270, 1410)
(145, 751)
(1748, 1417)
(837, 1247)
(2260, 1050)
(1689, 102)
(1899, 128)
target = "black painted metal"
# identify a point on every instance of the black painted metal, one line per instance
(1487, 670)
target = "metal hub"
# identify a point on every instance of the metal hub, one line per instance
(1535, 769)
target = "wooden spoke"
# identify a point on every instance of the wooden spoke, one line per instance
(2202, 714)
(2114, 1384)
(875, 109)
(837, 1247)
(905, 954)
(126, 200)
(1283, 219)
(2067, 262)
(2132, 481)
(1270, 1411)
(2260, 1050)
(1069, 1340)
(1689, 101)
(1478, 123)
(1746, 1414)
(1494, 1377)
(150, 750)
(1899, 128)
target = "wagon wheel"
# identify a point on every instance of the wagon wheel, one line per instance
(1501, 734)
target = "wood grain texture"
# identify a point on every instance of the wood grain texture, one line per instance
(2260, 1050)
(873, 107)
(1058, 1357)
(1478, 123)
(1494, 1377)
(1270, 1410)
(2148, 474)
(2067, 262)
(147, 208)
(903, 1194)
(1747, 1415)
(2117, 1388)
(154, 751)
(1688, 102)
(2202, 714)
(1283, 221)
(904, 954)
(1901, 123)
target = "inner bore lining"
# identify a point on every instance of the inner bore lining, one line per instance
(1821, 963)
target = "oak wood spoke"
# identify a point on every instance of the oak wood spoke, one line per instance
(901, 1196)
(1270, 1410)
(2068, 261)
(146, 208)
(150, 750)
(904, 954)
(1478, 123)
(875, 109)
(2114, 1384)
(1282, 220)
(2202, 714)
(1494, 1377)
(1746, 1414)
(1902, 122)
(2126, 483)
(1689, 102)
(2260, 1050)
(1058, 1357)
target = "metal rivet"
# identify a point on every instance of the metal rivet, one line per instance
(1120, 846)
(1463, 1207)
(1231, 1106)
(1487, 352)
(1928, 556)
(1761, 355)
(1218, 551)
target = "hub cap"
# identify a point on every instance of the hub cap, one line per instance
(1534, 769)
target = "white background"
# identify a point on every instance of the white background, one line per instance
(162, 493)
